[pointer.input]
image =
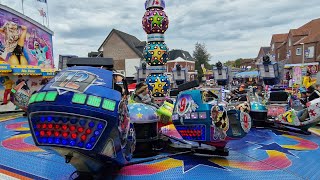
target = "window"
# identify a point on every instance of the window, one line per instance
(272, 46)
(278, 56)
(310, 52)
(298, 51)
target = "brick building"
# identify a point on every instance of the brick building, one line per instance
(121, 46)
(183, 58)
(301, 45)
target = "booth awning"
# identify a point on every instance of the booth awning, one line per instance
(247, 74)
(300, 65)
(26, 70)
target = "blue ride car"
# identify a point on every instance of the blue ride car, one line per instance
(199, 121)
(81, 111)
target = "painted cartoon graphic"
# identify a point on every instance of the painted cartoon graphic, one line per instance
(24, 43)
(14, 36)
(8, 84)
(124, 121)
(75, 81)
(16, 89)
(2, 48)
(220, 122)
(245, 121)
(40, 54)
(289, 117)
(186, 105)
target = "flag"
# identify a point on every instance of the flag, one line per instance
(44, 1)
(42, 13)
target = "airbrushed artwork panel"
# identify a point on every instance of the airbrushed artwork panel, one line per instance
(24, 43)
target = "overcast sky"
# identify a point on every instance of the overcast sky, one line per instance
(230, 29)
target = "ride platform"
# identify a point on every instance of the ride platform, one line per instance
(262, 154)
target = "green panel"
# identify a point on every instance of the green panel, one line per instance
(51, 96)
(79, 98)
(109, 105)
(40, 97)
(94, 101)
(33, 98)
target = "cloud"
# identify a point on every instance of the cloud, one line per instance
(230, 29)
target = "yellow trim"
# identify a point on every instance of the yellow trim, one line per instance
(25, 67)
(48, 70)
(47, 77)
(8, 118)
(3, 62)
(5, 71)
(23, 74)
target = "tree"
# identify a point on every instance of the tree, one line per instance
(237, 63)
(229, 63)
(201, 56)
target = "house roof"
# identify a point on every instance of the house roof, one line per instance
(179, 59)
(299, 32)
(282, 44)
(279, 38)
(133, 42)
(311, 31)
(263, 51)
(266, 50)
(175, 53)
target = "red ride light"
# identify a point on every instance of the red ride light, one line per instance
(50, 126)
(56, 134)
(65, 134)
(49, 133)
(80, 129)
(88, 131)
(57, 126)
(72, 128)
(74, 136)
(42, 133)
(38, 126)
(64, 127)
(44, 126)
(83, 137)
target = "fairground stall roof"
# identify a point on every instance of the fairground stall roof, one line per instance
(247, 74)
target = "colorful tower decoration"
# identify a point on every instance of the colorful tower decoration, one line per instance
(155, 23)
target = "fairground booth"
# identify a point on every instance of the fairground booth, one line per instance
(249, 77)
(26, 55)
(294, 73)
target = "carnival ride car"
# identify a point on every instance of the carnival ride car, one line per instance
(148, 121)
(258, 110)
(280, 115)
(291, 121)
(81, 113)
(205, 127)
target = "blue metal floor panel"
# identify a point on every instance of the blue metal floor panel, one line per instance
(263, 154)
